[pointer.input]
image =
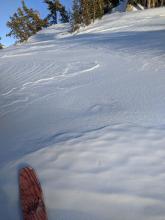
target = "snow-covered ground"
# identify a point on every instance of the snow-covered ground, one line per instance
(87, 111)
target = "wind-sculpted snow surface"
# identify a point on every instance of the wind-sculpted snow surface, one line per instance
(86, 110)
(116, 171)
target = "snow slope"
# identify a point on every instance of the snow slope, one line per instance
(87, 111)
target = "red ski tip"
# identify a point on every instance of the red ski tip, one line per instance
(31, 195)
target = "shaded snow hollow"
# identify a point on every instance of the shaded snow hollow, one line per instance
(87, 111)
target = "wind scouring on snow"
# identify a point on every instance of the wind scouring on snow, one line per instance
(87, 111)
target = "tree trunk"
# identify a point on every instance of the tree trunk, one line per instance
(148, 3)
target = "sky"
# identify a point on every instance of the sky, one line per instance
(8, 7)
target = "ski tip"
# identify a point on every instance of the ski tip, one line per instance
(31, 195)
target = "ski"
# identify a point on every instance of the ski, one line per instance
(31, 195)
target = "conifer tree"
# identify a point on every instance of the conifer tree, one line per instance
(16, 24)
(76, 17)
(98, 8)
(1, 46)
(33, 20)
(86, 12)
(54, 6)
(148, 3)
(24, 23)
(109, 4)
(93, 8)
(64, 15)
